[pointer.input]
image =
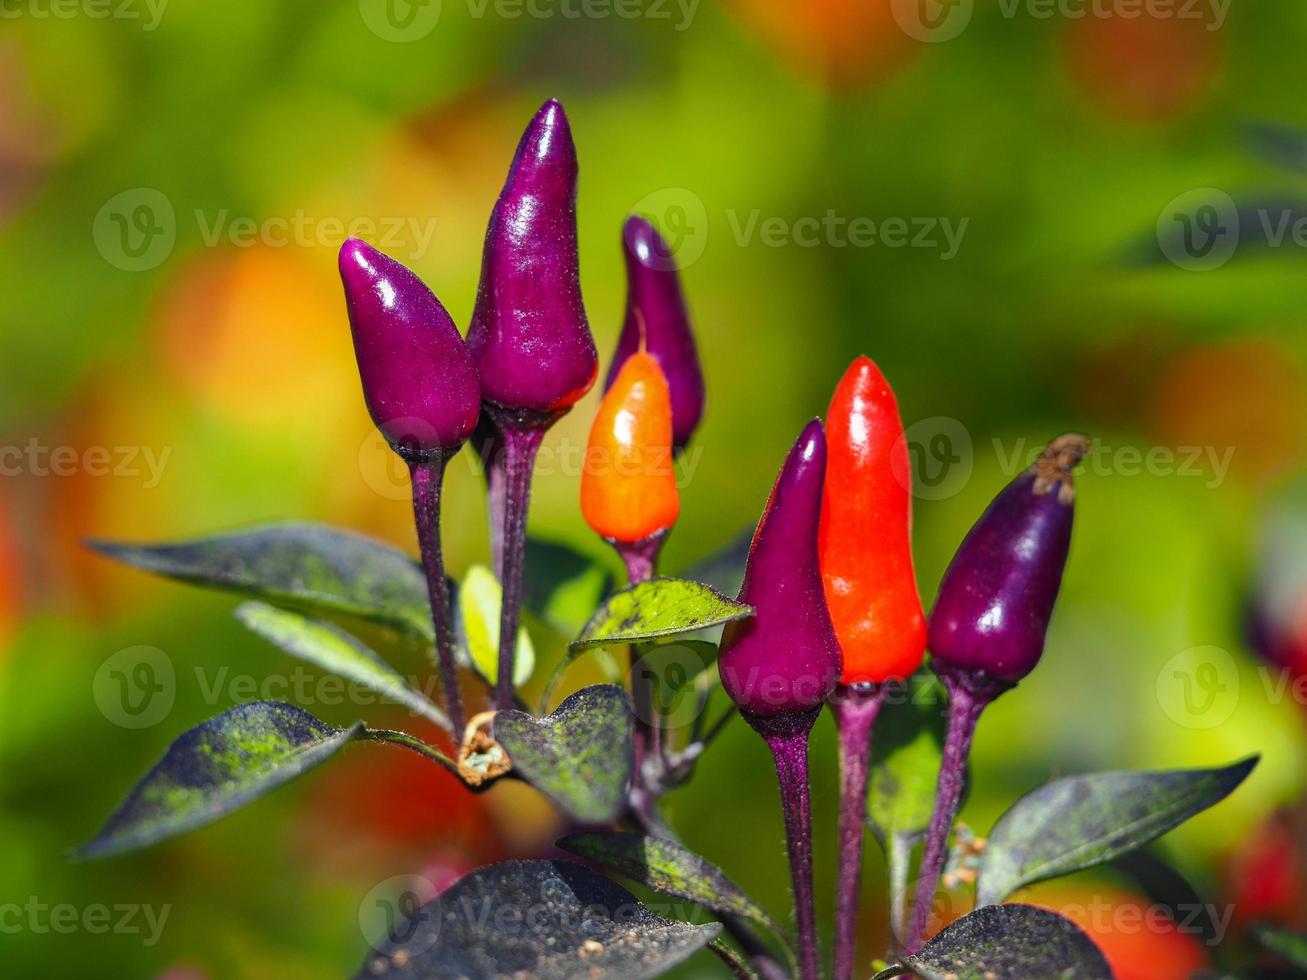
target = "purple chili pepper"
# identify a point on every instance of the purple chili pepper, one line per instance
(419, 381)
(529, 332)
(657, 321)
(421, 388)
(785, 658)
(997, 596)
(531, 342)
(987, 629)
(781, 664)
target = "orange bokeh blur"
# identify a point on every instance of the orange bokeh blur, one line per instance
(1245, 394)
(842, 43)
(1138, 940)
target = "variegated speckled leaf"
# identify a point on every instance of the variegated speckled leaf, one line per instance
(670, 868)
(547, 920)
(657, 609)
(331, 648)
(1009, 942)
(215, 768)
(301, 564)
(1081, 821)
(581, 756)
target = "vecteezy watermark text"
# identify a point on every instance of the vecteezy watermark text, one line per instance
(136, 230)
(97, 919)
(406, 21)
(148, 12)
(936, 21)
(1208, 463)
(834, 230)
(34, 458)
(1204, 228)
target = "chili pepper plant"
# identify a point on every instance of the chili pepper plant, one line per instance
(828, 617)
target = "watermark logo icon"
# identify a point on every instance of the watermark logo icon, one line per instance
(400, 21)
(668, 673)
(932, 21)
(391, 914)
(136, 229)
(1199, 230)
(941, 457)
(136, 687)
(383, 469)
(682, 220)
(1199, 687)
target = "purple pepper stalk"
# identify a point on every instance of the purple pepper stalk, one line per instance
(531, 343)
(422, 391)
(780, 665)
(987, 629)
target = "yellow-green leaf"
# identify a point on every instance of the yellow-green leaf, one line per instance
(479, 599)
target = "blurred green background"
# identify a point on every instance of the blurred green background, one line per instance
(175, 180)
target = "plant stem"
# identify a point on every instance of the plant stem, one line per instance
(490, 448)
(640, 557)
(855, 709)
(413, 743)
(521, 436)
(427, 474)
(641, 561)
(900, 860)
(786, 736)
(970, 692)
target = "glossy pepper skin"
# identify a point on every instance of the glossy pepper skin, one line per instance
(628, 485)
(866, 530)
(419, 381)
(997, 596)
(657, 321)
(529, 334)
(785, 659)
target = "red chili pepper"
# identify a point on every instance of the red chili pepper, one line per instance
(865, 537)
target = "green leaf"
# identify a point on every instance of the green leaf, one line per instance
(655, 609)
(562, 586)
(906, 749)
(327, 646)
(1082, 821)
(215, 768)
(548, 920)
(479, 600)
(668, 867)
(668, 670)
(1010, 942)
(304, 565)
(1289, 946)
(580, 756)
(905, 759)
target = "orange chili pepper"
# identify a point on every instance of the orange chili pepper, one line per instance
(866, 531)
(628, 484)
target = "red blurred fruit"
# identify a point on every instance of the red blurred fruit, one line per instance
(10, 580)
(393, 800)
(1266, 878)
(1143, 69)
